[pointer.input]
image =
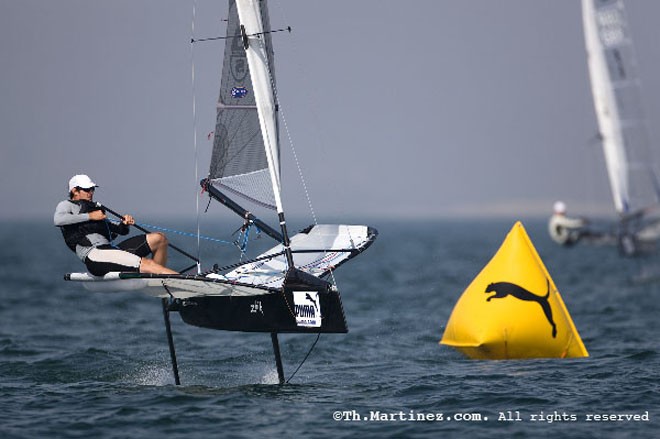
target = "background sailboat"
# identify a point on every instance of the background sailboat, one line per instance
(631, 168)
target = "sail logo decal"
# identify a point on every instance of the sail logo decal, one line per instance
(307, 308)
(238, 66)
(503, 289)
(239, 92)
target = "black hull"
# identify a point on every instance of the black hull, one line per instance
(265, 313)
(271, 312)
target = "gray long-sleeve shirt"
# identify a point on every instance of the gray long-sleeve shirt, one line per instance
(80, 231)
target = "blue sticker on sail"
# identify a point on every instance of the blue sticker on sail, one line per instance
(239, 92)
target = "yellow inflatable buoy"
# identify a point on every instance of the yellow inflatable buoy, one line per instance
(512, 309)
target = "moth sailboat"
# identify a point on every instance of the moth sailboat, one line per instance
(616, 92)
(285, 289)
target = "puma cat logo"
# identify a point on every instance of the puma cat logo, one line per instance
(309, 297)
(503, 289)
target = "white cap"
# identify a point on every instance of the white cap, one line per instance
(82, 181)
(560, 207)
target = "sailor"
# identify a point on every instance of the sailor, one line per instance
(564, 230)
(89, 233)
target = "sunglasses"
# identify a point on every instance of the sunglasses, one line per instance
(89, 189)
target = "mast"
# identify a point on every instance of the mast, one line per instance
(253, 38)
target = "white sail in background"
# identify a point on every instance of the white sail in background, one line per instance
(616, 92)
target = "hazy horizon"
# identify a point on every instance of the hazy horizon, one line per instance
(421, 109)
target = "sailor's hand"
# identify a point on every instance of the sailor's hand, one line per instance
(128, 220)
(97, 215)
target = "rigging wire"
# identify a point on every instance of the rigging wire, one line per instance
(290, 139)
(295, 158)
(194, 121)
(241, 242)
(304, 359)
(192, 235)
(201, 40)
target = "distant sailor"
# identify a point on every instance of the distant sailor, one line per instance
(564, 230)
(89, 233)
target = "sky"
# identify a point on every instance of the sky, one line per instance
(395, 109)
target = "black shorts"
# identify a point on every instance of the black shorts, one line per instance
(125, 257)
(137, 245)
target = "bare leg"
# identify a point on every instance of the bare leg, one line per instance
(150, 266)
(158, 245)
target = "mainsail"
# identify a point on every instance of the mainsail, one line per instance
(245, 158)
(616, 92)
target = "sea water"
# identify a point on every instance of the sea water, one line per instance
(75, 364)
